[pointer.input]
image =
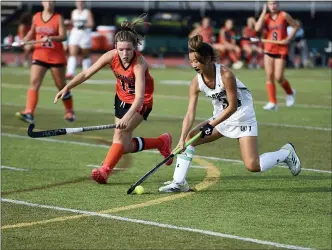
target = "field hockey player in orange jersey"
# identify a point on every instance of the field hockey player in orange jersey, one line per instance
(133, 100)
(275, 52)
(47, 27)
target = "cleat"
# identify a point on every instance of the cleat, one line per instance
(166, 148)
(173, 187)
(293, 161)
(290, 99)
(69, 77)
(70, 116)
(271, 106)
(99, 175)
(27, 117)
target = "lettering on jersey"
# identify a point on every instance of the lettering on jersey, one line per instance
(125, 79)
(46, 30)
(222, 97)
(275, 26)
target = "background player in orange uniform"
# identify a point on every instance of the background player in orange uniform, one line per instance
(228, 45)
(251, 48)
(47, 26)
(205, 30)
(133, 99)
(22, 31)
(275, 23)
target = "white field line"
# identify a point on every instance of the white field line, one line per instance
(14, 169)
(104, 111)
(147, 151)
(168, 97)
(155, 224)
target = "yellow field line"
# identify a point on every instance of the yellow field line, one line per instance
(212, 177)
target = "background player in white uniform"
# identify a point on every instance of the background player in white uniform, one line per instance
(80, 38)
(233, 117)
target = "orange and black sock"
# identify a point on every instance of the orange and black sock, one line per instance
(140, 144)
(68, 102)
(286, 86)
(271, 92)
(32, 100)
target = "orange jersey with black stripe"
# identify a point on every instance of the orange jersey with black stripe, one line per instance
(276, 30)
(228, 35)
(48, 52)
(248, 32)
(125, 80)
(207, 34)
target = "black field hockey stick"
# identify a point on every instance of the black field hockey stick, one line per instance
(64, 131)
(174, 153)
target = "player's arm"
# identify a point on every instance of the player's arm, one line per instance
(189, 118)
(31, 33)
(292, 23)
(229, 81)
(139, 70)
(259, 25)
(86, 74)
(62, 36)
(91, 23)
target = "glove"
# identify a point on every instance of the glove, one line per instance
(206, 130)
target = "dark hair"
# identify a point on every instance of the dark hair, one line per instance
(26, 18)
(203, 51)
(128, 31)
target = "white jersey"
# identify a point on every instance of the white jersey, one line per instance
(245, 114)
(80, 18)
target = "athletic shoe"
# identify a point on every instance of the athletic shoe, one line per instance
(293, 162)
(271, 106)
(99, 175)
(290, 99)
(69, 116)
(27, 117)
(166, 148)
(173, 187)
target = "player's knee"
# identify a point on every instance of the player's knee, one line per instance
(252, 165)
(35, 84)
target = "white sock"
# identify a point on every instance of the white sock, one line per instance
(71, 66)
(183, 163)
(86, 63)
(270, 159)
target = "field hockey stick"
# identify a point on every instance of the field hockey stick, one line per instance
(174, 153)
(257, 40)
(19, 44)
(64, 131)
(251, 39)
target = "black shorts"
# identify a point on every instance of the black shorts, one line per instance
(48, 65)
(278, 56)
(121, 108)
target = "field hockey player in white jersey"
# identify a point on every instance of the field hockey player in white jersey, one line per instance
(233, 117)
(79, 38)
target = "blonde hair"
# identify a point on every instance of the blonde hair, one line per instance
(203, 51)
(128, 31)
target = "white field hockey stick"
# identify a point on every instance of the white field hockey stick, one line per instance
(64, 131)
(19, 44)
